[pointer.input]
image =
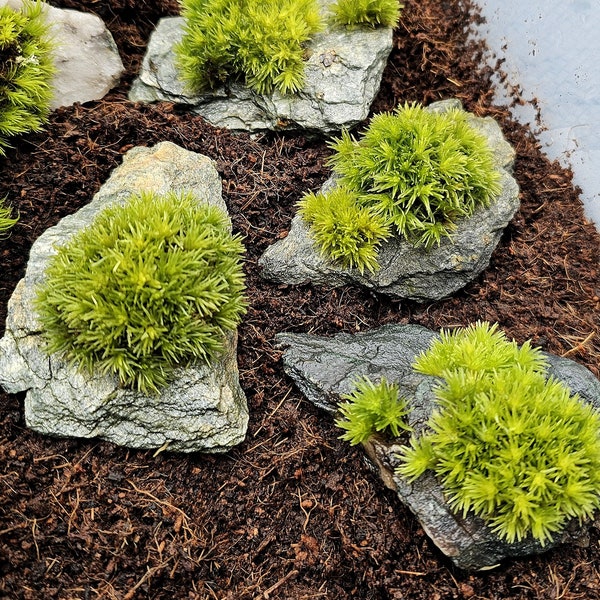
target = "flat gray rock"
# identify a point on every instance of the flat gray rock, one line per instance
(408, 271)
(86, 56)
(203, 409)
(325, 368)
(343, 73)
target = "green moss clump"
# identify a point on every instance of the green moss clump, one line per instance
(479, 347)
(26, 70)
(371, 408)
(6, 221)
(421, 170)
(344, 231)
(507, 443)
(261, 43)
(415, 172)
(148, 286)
(370, 13)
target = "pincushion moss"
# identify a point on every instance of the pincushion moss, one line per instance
(372, 407)
(372, 13)
(26, 70)
(417, 172)
(6, 221)
(261, 43)
(149, 285)
(507, 443)
(344, 230)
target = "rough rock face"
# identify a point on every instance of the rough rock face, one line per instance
(86, 56)
(407, 271)
(325, 368)
(203, 409)
(343, 74)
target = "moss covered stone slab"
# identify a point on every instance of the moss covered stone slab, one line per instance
(326, 368)
(342, 76)
(406, 270)
(202, 409)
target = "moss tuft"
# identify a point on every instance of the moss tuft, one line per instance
(26, 70)
(344, 231)
(261, 43)
(413, 173)
(372, 408)
(148, 286)
(6, 221)
(370, 13)
(507, 444)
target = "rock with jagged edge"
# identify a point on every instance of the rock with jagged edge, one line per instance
(408, 271)
(342, 76)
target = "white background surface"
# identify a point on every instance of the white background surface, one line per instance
(552, 51)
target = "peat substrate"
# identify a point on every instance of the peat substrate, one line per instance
(293, 512)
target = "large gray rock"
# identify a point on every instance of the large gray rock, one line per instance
(408, 271)
(343, 74)
(325, 368)
(86, 56)
(203, 409)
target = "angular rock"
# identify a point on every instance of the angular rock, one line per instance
(325, 368)
(343, 74)
(86, 56)
(408, 271)
(203, 409)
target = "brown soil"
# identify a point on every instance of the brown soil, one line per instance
(293, 512)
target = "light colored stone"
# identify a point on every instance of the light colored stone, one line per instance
(408, 271)
(86, 56)
(343, 74)
(203, 409)
(325, 368)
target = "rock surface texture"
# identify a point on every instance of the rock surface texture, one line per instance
(203, 409)
(86, 56)
(407, 271)
(325, 368)
(343, 74)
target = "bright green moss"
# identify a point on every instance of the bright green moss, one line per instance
(413, 173)
(478, 347)
(6, 221)
(26, 70)
(506, 443)
(371, 13)
(344, 230)
(371, 408)
(260, 43)
(148, 286)
(422, 171)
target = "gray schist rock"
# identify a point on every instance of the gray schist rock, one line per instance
(408, 271)
(86, 56)
(325, 368)
(203, 409)
(342, 76)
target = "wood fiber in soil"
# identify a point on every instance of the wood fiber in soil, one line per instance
(292, 513)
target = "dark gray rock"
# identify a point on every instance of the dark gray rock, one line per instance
(325, 368)
(203, 409)
(342, 76)
(407, 271)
